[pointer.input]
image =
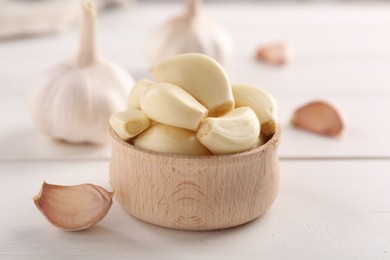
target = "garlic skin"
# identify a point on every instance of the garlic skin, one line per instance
(319, 117)
(276, 54)
(73, 100)
(73, 208)
(190, 32)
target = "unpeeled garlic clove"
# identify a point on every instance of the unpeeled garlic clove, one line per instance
(262, 139)
(319, 117)
(129, 123)
(236, 131)
(73, 208)
(171, 105)
(136, 92)
(173, 140)
(275, 53)
(261, 102)
(200, 76)
(190, 32)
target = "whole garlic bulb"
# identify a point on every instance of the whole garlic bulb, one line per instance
(190, 32)
(74, 100)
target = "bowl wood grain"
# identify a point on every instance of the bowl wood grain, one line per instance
(195, 192)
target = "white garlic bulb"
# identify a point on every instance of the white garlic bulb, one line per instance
(190, 32)
(74, 100)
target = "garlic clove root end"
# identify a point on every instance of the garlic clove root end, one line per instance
(129, 123)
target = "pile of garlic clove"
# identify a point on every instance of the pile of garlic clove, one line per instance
(73, 100)
(192, 109)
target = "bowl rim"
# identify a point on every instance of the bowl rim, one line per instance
(272, 142)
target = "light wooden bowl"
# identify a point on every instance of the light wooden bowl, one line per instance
(195, 192)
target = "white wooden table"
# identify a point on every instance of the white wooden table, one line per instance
(334, 200)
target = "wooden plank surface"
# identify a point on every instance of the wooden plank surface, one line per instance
(339, 48)
(336, 207)
(365, 136)
(327, 209)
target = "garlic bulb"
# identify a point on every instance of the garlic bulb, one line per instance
(73, 100)
(190, 32)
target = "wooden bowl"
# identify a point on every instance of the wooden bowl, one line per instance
(195, 192)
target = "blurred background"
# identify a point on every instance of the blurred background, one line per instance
(20, 18)
(336, 50)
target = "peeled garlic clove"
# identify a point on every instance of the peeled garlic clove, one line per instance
(261, 102)
(275, 54)
(169, 104)
(73, 208)
(319, 117)
(190, 32)
(237, 131)
(173, 140)
(136, 91)
(73, 100)
(129, 123)
(262, 139)
(202, 77)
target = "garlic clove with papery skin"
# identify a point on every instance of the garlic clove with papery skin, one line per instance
(191, 31)
(319, 117)
(73, 208)
(73, 100)
(275, 54)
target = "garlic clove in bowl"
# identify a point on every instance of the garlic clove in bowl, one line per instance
(191, 31)
(262, 102)
(73, 100)
(202, 77)
(171, 140)
(171, 105)
(234, 132)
